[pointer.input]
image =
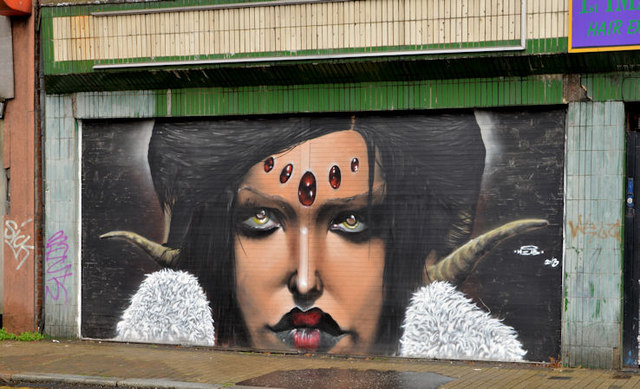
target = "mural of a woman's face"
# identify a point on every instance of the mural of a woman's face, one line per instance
(309, 265)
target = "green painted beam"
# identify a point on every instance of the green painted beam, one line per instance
(612, 86)
(352, 97)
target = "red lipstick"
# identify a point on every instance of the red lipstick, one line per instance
(310, 330)
(306, 339)
(306, 319)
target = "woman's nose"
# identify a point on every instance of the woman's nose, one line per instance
(305, 284)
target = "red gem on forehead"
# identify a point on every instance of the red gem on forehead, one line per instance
(355, 165)
(307, 189)
(334, 177)
(286, 173)
(268, 164)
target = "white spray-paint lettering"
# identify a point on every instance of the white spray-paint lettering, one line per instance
(528, 250)
(17, 241)
(553, 262)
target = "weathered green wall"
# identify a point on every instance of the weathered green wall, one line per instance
(62, 269)
(593, 255)
(374, 96)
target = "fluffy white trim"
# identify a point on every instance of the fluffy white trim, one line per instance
(169, 307)
(441, 322)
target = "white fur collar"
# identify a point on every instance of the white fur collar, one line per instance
(440, 322)
(169, 307)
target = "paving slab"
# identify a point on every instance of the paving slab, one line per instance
(165, 366)
(164, 384)
(66, 378)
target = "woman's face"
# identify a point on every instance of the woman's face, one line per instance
(309, 262)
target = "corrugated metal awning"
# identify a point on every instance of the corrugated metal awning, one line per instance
(342, 71)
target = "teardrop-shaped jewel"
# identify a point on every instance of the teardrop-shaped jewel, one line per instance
(355, 165)
(268, 164)
(334, 177)
(307, 189)
(286, 173)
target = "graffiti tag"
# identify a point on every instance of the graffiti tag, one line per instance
(17, 241)
(602, 230)
(553, 262)
(57, 267)
(529, 250)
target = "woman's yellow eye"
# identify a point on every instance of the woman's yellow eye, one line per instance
(262, 220)
(261, 217)
(348, 223)
(351, 222)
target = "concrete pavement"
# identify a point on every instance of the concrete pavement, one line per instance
(147, 366)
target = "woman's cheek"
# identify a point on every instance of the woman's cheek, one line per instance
(260, 259)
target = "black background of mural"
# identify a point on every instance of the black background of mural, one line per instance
(117, 194)
(524, 180)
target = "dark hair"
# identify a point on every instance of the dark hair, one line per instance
(432, 166)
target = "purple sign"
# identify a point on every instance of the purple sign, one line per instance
(602, 24)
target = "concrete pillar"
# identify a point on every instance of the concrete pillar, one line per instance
(21, 286)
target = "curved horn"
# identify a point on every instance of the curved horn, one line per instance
(457, 266)
(164, 256)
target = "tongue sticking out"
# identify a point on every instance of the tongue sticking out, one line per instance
(306, 339)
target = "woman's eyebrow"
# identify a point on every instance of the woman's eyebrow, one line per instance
(355, 202)
(278, 201)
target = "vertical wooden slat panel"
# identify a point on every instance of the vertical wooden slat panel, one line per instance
(132, 33)
(149, 43)
(73, 40)
(250, 29)
(215, 20)
(409, 15)
(313, 26)
(163, 37)
(157, 40)
(138, 36)
(59, 39)
(111, 42)
(165, 28)
(102, 32)
(333, 27)
(89, 38)
(174, 39)
(230, 34)
(225, 28)
(143, 38)
(397, 23)
(365, 21)
(187, 19)
(79, 41)
(479, 32)
(286, 29)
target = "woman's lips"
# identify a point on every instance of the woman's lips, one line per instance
(311, 330)
(306, 319)
(307, 339)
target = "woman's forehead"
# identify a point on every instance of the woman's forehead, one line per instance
(332, 166)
